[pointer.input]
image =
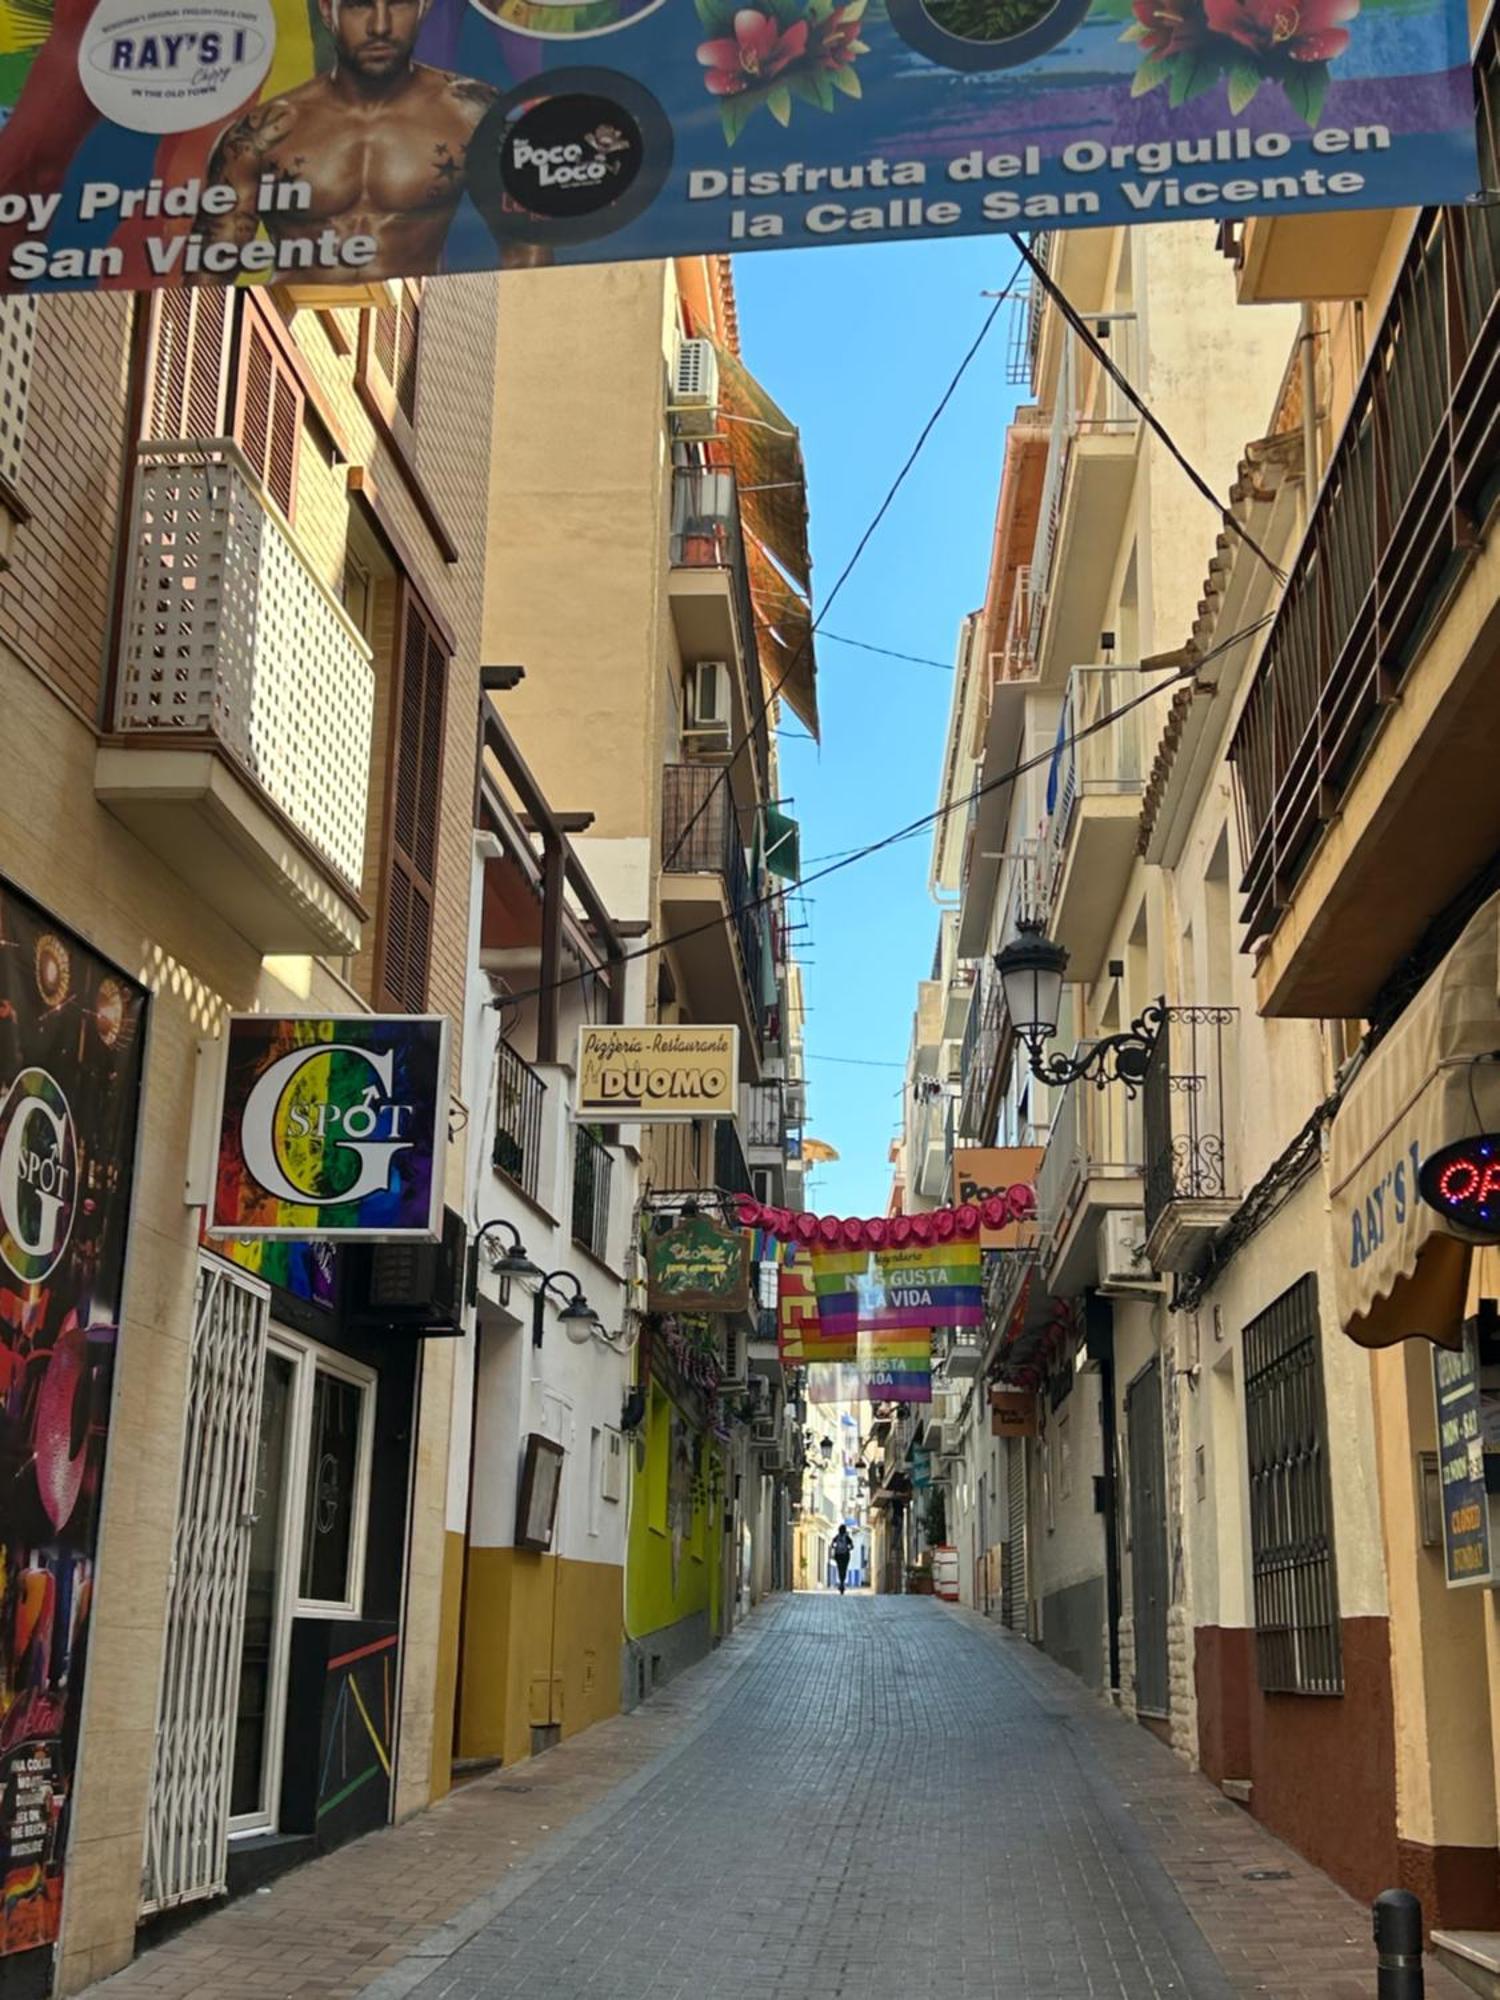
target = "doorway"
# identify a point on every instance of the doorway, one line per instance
(1148, 1541)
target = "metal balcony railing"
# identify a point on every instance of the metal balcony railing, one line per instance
(520, 1097)
(731, 1173)
(1093, 1132)
(979, 1053)
(1183, 1108)
(227, 633)
(700, 835)
(763, 1114)
(1089, 759)
(593, 1171)
(1087, 400)
(1404, 499)
(706, 534)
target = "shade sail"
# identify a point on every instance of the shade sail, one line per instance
(766, 451)
(784, 632)
(1398, 1271)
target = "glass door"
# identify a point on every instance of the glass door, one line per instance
(257, 1739)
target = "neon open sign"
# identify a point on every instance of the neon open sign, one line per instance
(1462, 1182)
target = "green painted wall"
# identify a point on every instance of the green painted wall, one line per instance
(677, 1496)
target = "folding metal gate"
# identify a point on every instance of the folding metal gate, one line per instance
(1148, 1541)
(187, 1833)
(1013, 1574)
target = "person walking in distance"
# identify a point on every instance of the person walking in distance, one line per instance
(843, 1549)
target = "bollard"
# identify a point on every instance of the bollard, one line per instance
(1398, 1945)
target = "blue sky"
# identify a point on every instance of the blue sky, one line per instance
(858, 345)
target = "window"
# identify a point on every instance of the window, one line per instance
(268, 410)
(333, 1467)
(187, 372)
(418, 717)
(398, 326)
(1064, 1458)
(1297, 1638)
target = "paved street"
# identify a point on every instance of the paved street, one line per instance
(862, 1797)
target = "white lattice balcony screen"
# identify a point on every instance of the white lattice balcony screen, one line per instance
(228, 633)
(17, 342)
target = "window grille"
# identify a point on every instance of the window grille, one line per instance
(1297, 1639)
(17, 341)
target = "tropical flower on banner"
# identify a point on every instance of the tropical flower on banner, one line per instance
(778, 52)
(1191, 45)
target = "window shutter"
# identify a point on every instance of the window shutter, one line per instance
(268, 414)
(412, 808)
(189, 350)
(398, 325)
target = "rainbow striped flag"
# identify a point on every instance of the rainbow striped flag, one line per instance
(863, 1291)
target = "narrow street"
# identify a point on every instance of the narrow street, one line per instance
(869, 1796)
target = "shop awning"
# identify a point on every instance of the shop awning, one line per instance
(1398, 1272)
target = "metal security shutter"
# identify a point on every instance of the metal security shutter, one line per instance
(187, 1820)
(1013, 1576)
(412, 814)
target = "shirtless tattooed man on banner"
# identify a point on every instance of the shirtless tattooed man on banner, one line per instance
(381, 141)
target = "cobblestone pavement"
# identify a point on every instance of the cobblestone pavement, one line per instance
(871, 1797)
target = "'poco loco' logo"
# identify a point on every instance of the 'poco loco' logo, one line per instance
(571, 156)
(38, 1175)
(303, 1147)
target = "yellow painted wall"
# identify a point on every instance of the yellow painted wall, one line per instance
(446, 1681)
(541, 1644)
(654, 1596)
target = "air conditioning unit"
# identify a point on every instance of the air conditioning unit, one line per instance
(706, 715)
(736, 1370)
(612, 1471)
(412, 1288)
(1123, 1265)
(765, 1431)
(935, 1439)
(695, 389)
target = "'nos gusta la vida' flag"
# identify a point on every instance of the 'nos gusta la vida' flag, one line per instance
(880, 1308)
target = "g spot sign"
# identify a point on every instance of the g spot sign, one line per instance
(331, 1128)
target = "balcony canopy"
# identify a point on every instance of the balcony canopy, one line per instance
(1398, 1271)
(765, 450)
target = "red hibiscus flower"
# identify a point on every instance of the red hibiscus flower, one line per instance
(758, 52)
(1168, 27)
(836, 40)
(1307, 32)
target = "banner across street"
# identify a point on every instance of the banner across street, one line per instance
(335, 142)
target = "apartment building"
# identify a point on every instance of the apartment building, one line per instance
(1214, 1478)
(648, 570)
(240, 628)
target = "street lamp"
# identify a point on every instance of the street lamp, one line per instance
(512, 1262)
(579, 1320)
(1031, 972)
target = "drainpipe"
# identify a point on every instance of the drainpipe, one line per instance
(1099, 1336)
(1307, 357)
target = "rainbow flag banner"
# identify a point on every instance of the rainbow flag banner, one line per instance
(873, 1290)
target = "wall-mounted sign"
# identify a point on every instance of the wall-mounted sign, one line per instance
(1461, 1426)
(148, 143)
(332, 1127)
(70, 1076)
(653, 1076)
(981, 1173)
(536, 1497)
(698, 1266)
(1012, 1413)
(1462, 1182)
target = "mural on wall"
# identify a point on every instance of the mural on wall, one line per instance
(70, 1070)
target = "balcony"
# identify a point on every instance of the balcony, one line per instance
(712, 611)
(763, 1122)
(979, 1055)
(708, 905)
(731, 1172)
(1091, 1165)
(1284, 259)
(962, 1353)
(1094, 810)
(931, 1125)
(1190, 1192)
(520, 1098)
(593, 1173)
(1091, 466)
(240, 751)
(959, 998)
(1365, 754)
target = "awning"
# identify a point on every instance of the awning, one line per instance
(1398, 1272)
